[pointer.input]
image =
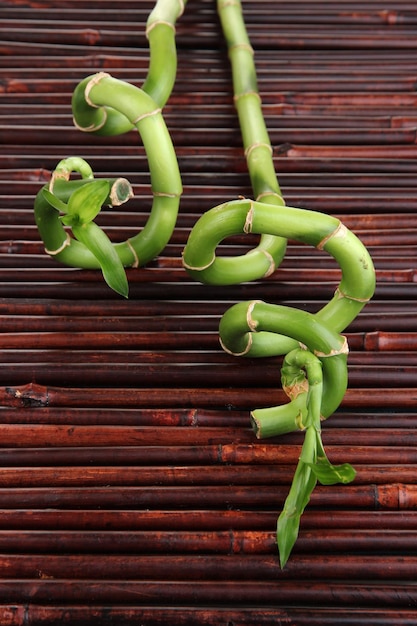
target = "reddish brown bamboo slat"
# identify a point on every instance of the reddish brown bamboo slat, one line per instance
(207, 592)
(34, 395)
(133, 616)
(200, 519)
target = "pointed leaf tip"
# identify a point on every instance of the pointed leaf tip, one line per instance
(100, 245)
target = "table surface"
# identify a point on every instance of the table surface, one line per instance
(133, 489)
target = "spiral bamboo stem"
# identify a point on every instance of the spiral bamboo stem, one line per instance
(106, 106)
(314, 374)
(264, 258)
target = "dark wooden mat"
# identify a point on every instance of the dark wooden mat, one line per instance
(132, 488)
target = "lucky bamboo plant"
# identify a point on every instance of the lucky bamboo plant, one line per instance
(314, 371)
(106, 106)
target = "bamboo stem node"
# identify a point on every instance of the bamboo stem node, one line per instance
(251, 322)
(229, 3)
(135, 263)
(247, 227)
(156, 23)
(244, 94)
(164, 194)
(145, 115)
(242, 46)
(339, 231)
(94, 80)
(66, 243)
(93, 127)
(199, 268)
(342, 295)
(334, 352)
(272, 265)
(270, 194)
(254, 146)
(244, 352)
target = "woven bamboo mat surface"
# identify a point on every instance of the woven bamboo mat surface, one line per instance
(132, 488)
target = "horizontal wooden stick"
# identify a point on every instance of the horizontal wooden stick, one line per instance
(227, 136)
(191, 542)
(381, 423)
(225, 159)
(38, 519)
(120, 416)
(134, 341)
(105, 309)
(273, 73)
(148, 307)
(283, 36)
(220, 444)
(392, 496)
(266, 290)
(221, 116)
(209, 592)
(381, 471)
(37, 396)
(219, 567)
(175, 317)
(217, 373)
(283, 82)
(307, 13)
(142, 359)
(405, 274)
(375, 341)
(137, 615)
(165, 321)
(162, 542)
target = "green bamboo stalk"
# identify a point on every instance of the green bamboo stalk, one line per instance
(106, 106)
(256, 328)
(320, 230)
(108, 95)
(256, 142)
(314, 374)
(56, 239)
(268, 254)
(313, 464)
(75, 204)
(160, 31)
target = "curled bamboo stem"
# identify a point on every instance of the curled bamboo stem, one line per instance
(106, 106)
(160, 31)
(318, 229)
(259, 329)
(268, 254)
(314, 377)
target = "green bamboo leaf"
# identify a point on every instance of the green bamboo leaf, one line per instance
(287, 534)
(100, 245)
(328, 474)
(69, 220)
(288, 525)
(54, 201)
(86, 201)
